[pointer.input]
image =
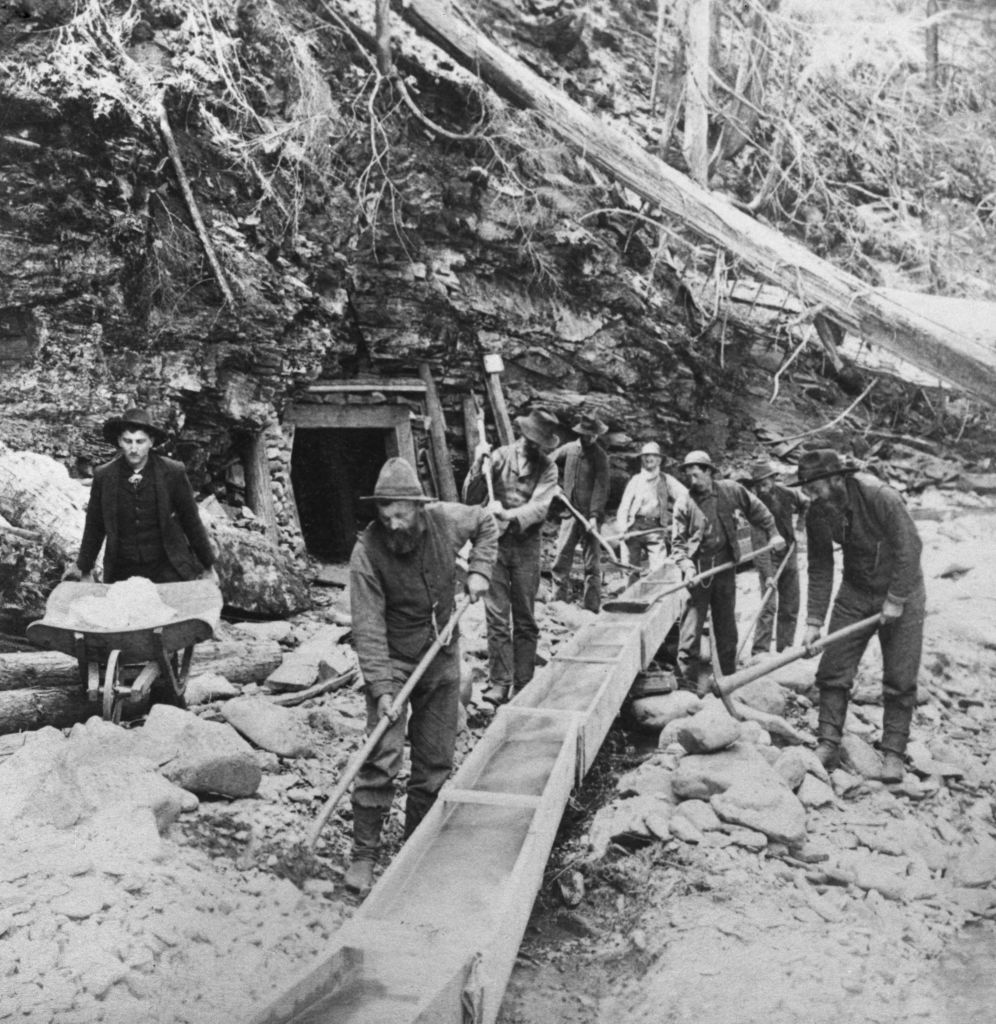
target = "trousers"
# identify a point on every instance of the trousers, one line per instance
(786, 600)
(432, 730)
(509, 607)
(571, 532)
(719, 596)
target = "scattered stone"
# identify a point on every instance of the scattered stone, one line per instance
(651, 778)
(815, 793)
(794, 763)
(707, 732)
(860, 757)
(699, 813)
(884, 876)
(685, 830)
(653, 713)
(975, 864)
(699, 776)
(748, 838)
(318, 659)
(279, 730)
(772, 809)
(765, 695)
(626, 817)
(754, 732)
(207, 687)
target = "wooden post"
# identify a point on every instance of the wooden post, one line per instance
(493, 367)
(259, 488)
(437, 437)
(472, 435)
(870, 313)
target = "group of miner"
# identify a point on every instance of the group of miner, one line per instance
(407, 564)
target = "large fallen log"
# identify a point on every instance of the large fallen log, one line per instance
(239, 661)
(870, 313)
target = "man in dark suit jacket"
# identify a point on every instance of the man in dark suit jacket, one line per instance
(142, 504)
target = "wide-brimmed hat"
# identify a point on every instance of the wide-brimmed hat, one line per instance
(760, 470)
(397, 481)
(590, 426)
(819, 464)
(652, 448)
(133, 419)
(539, 427)
(698, 458)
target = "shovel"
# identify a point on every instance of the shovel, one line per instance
(635, 606)
(769, 589)
(733, 682)
(396, 708)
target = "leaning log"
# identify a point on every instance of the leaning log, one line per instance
(866, 312)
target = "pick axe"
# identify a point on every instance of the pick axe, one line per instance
(590, 530)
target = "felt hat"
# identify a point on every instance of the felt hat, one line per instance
(819, 464)
(761, 469)
(590, 426)
(539, 427)
(651, 448)
(133, 419)
(698, 458)
(397, 481)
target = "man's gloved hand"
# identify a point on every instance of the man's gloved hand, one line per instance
(891, 610)
(811, 635)
(778, 543)
(687, 567)
(497, 509)
(477, 586)
(72, 575)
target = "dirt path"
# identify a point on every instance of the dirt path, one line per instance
(713, 933)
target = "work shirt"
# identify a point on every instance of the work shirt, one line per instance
(526, 488)
(586, 477)
(784, 503)
(879, 540)
(398, 602)
(649, 497)
(705, 524)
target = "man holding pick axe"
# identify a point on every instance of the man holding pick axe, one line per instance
(881, 574)
(402, 582)
(705, 536)
(586, 487)
(524, 483)
(784, 503)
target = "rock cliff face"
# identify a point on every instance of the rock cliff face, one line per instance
(371, 248)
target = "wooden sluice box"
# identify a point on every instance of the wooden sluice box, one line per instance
(436, 939)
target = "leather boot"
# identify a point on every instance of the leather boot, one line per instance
(833, 713)
(497, 695)
(367, 824)
(893, 767)
(897, 713)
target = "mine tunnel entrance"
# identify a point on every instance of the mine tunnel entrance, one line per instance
(330, 470)
(343, 432)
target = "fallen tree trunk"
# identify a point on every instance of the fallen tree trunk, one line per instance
(870, 313)
(239, 661)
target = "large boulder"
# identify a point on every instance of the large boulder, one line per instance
(653, 713)
(708, 731)
(764, 807)
(700, 776)
(280, 730)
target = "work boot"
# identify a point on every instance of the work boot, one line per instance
(897, 713)
(828, 755)
(367, 824)
(893, 767)
(416, 808)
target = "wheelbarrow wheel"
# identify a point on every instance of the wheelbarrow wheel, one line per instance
(112, 679)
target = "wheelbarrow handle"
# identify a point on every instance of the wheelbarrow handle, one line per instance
(384, 722)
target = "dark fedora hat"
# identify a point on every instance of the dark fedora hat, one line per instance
(539, 427)
(133, 419)
(761, 469)
(819, 464)
(397, 481)
(590, 426)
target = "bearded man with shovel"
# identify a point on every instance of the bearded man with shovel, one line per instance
(402, 584)
(881, 574)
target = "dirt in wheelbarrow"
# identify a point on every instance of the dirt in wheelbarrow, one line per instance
(208, 922)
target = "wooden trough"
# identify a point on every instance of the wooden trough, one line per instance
(436, 939)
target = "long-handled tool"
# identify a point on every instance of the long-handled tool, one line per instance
(769, 588)
(589, 529)
(786, 657)
(391, 715)
(635, 606)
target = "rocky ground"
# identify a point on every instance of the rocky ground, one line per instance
(123, 897)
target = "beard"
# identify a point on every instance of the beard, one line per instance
(400, 542)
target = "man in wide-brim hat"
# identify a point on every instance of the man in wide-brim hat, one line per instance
(141, 503)
(880, 548)
(585, 483)
(402, 587)
(645, 511)
(785, 504)
(523, 480)
(707, 525)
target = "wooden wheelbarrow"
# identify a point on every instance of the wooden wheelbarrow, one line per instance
(120, 666)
